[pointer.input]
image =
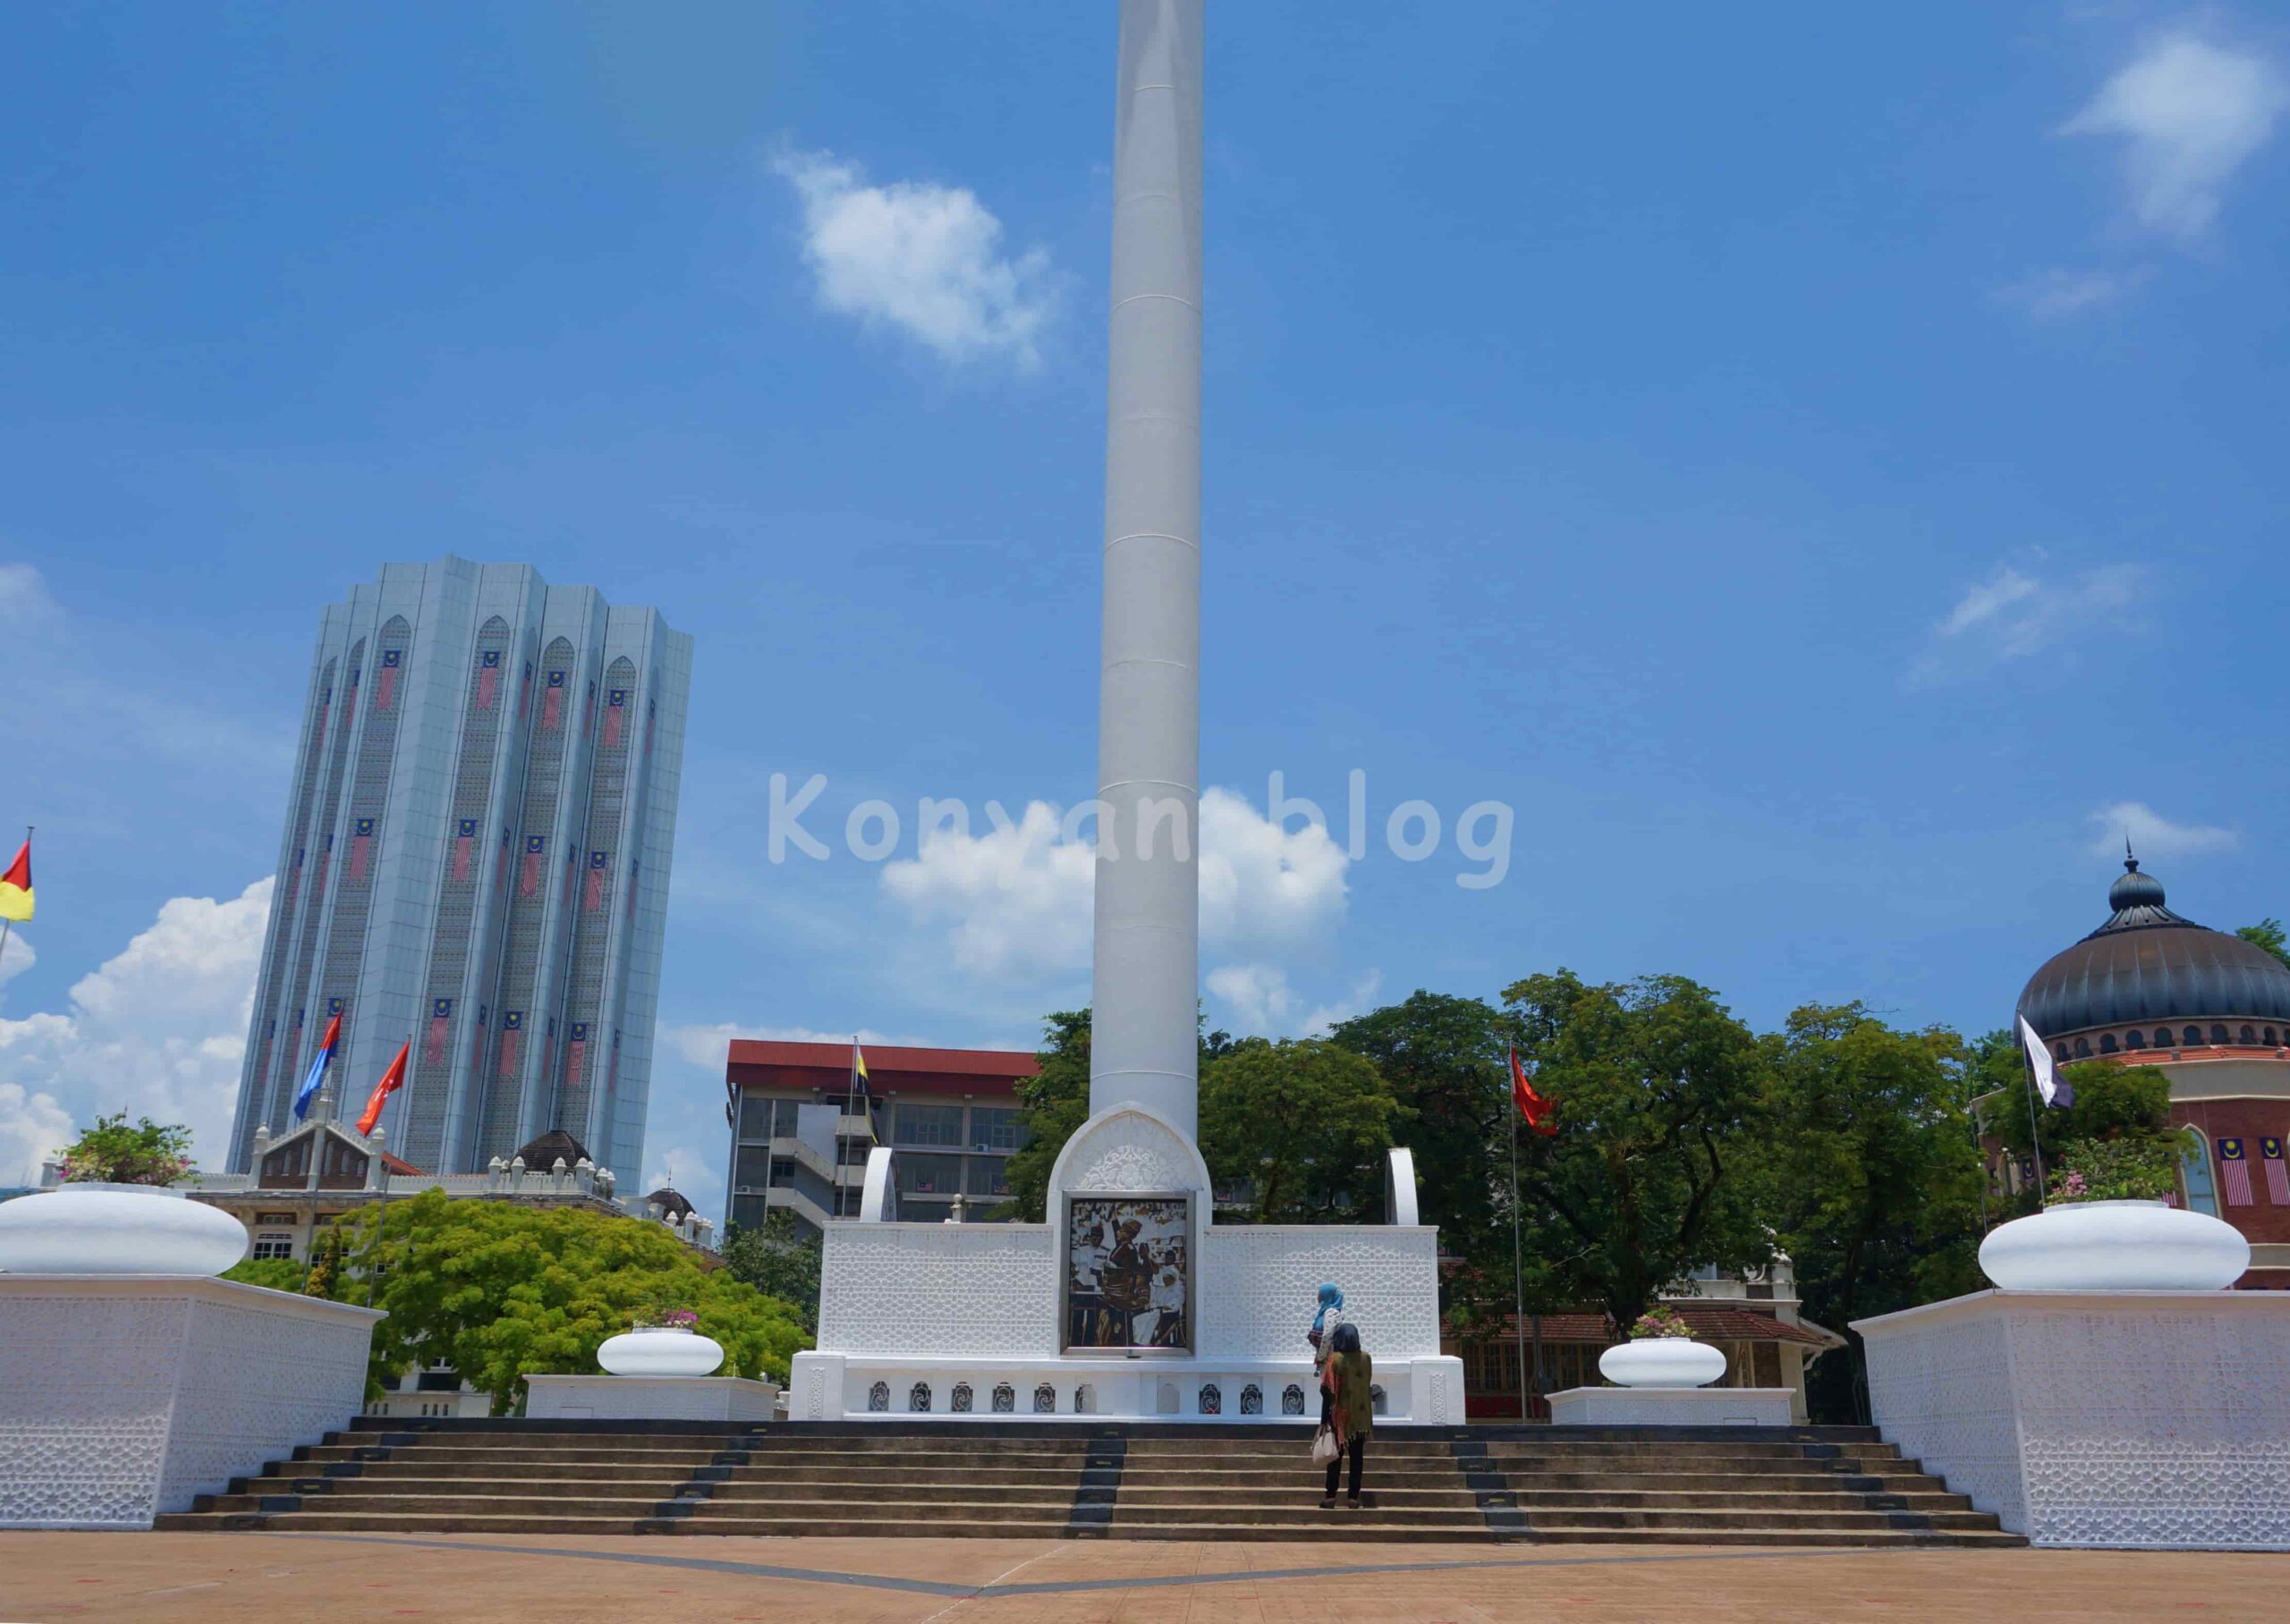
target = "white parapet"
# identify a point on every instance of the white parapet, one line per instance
(2122, 1419)
(123, 1396)
(1672, 1407)
(590, 1398)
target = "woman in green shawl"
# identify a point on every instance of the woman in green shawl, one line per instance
(1346, 1380)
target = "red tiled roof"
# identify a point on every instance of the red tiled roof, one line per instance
(1708, 1321)
(884, 1060)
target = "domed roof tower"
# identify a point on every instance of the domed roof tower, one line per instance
(2147, 976)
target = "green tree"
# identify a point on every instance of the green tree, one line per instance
(781, 1259)
(1445, 1059)
(1870, 1176)
(2268, 935)
(2113, 1101)
(1658, 1088)
(271, 1274)
(1053, 1102)
(1303, 1122)
(502, 1291)
(113, 1153)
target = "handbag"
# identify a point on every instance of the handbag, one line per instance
(1324, 1449)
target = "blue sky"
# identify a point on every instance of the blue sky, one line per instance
(1824, 475)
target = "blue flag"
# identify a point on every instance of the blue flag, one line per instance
(309, 1088)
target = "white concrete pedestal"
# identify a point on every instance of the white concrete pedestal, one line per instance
(1672, 1407)
(2121, 1419)
(121, 1395)
(586, 1398)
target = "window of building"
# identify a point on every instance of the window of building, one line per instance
(751, 1166)
(2250, 1036)
(2193, 1036)
(988, 1176)
(2107, 1044)
(2083, 1048)
(2194, 1173)
(747, 1210)
(2059, 1052)
(274, 1245)
(2270, 1039)
(928, 1125)
(926, 1175)
(996, 1127)
(755, 1115)
(2218, 1031)
(2136, 1040)
(274, 1220)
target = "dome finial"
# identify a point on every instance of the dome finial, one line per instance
(2130, 863)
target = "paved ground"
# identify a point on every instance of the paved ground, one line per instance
(186, 1578)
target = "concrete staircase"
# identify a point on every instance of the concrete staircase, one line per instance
(1710, 1486)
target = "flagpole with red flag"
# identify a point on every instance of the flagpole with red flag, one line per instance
(391, 1080)
(16, 891)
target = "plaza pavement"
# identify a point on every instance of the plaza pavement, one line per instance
(279, 1578)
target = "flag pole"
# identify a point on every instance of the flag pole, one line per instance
(2035, 1141)
(1518, 1269)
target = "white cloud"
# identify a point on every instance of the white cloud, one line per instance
(1014, 900)
(16, 957)
(158, 1030)
(24, 594)
(32, 1127)
(707, 1044)
(2191, 112)
(924, 258)
(2152, 834)
(1261, 1002)
(2061, 295)
(686, 1171)
(2011, 615)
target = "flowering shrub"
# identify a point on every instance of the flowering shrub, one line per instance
(1660, 1321)
(2113, 1170)
(113, 1153)
(666, 1319)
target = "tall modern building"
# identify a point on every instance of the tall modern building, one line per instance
(475, 860)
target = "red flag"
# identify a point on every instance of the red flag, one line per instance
(391, 1080)
(1537, 1111)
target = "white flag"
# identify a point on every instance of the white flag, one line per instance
(2055, 1092)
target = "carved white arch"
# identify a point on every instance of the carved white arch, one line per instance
(878, 1197)
(1127, 1147)
(1399, 1187)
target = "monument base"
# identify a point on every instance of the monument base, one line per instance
(122, 1396)
(586, 1398)
(1672, 1407)
(840, 1387)
(2128, 1420)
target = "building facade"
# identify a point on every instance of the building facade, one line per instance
(800, 1131)
(476, 861)
(2212, 1012)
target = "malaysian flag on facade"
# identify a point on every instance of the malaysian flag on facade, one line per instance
(2278, 1172)
(530, 880)
(362, 839)
(2234, 1172)
(615, 707)
(464, 838)
(489, 678)
(576, 1050)
(513, 1031)
(592, 896)
(385, 685)
(441, 1015)
(552, 702)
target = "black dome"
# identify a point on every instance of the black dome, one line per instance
(2147, 964)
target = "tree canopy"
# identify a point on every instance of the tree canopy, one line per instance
(1300, 1125)
(502, 1290)
(2268, 935)
(1657, 1093)
(779, 1258)
(112, 1153)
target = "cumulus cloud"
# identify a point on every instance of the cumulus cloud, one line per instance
(16, 957)
(708, 1044)
(24, 594)
(1261, 1004)
(159, 1031)
(2011, 614)
(684, 1170)
(2190, 112)
(2061, 295)
(32, 1127)
(1014, 900)
(925, 259)
(2152, 834)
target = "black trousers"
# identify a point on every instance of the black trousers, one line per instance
(1359, 1445)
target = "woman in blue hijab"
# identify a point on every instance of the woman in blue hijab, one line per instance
(1326, 1321)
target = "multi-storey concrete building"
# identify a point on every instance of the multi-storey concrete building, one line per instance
(801, 1133)
(475, 860)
